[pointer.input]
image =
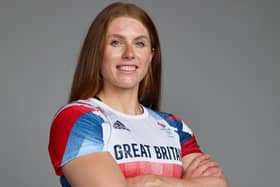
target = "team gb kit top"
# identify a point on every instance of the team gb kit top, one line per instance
(149, 143)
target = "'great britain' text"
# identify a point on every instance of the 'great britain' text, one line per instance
(134, 150)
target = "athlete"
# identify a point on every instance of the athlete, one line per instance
(111, 132)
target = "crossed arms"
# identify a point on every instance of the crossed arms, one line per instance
(100, 170)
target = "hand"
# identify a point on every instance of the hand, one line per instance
(202, 165)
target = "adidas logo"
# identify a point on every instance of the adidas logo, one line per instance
(120, 125)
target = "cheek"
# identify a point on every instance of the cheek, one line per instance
(109, 60)
(146, 65)
(109, 55)
(144, 55)
(106, 66)
(147, 60)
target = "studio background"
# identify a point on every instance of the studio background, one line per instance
(221, 74)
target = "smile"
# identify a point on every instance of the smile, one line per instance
(127, 67)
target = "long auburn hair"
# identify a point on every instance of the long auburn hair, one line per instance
(87, 80)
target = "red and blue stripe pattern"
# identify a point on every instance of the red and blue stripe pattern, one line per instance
(75, 131)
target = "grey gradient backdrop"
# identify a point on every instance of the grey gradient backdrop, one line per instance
(221, 73)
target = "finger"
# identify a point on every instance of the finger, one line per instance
(196, 161)
(214, 171)
(219, 174)
(204, 162)
(193, 166)
(204, 167)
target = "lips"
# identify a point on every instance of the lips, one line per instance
(127, 67)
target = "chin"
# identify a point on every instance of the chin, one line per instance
(128, 85)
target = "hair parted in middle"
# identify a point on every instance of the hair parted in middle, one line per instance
(87, 81)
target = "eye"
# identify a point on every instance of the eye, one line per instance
(115, 43)
(140, 44)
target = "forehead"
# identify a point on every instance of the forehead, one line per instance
(127, 26)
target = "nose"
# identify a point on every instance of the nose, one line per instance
(128, 53)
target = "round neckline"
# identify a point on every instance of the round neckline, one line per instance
(107, 107)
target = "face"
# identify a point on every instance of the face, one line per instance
(127, 54)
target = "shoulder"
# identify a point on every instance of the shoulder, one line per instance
(78, 107)
(174, 121)
(170, 118)
(74, 124)
(70, 113)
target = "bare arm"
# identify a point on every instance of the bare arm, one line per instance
(100, 170)
(200, 171)
(94, 170)
(160, 181)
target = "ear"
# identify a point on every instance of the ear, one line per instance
(151, 55)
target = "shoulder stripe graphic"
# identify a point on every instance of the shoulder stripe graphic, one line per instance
(60, 130)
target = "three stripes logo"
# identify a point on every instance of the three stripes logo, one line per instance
(120, 125)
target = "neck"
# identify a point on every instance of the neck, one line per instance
(122, 101)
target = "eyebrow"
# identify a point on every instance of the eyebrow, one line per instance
(122, 37)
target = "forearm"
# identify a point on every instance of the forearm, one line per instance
(194, 182)
(161, 181)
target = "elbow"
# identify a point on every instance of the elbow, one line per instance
(223, 182)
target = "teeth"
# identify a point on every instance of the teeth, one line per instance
(127, 68)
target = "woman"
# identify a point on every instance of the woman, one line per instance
(110, 133)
